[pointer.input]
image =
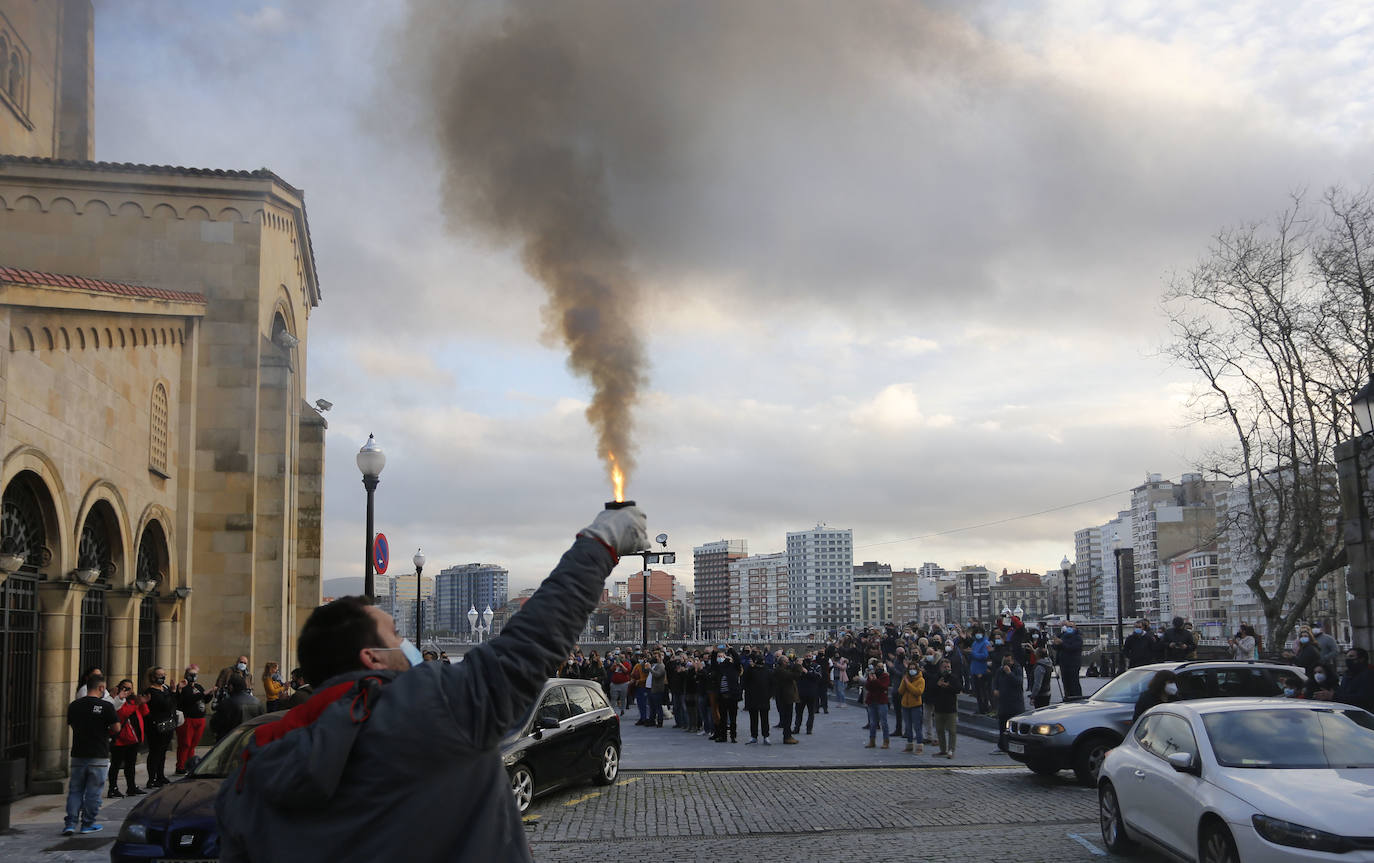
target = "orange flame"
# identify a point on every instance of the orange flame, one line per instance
(617, 478)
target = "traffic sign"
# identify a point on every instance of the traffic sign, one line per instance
(381, 553)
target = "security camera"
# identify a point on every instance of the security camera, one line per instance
(323, 404)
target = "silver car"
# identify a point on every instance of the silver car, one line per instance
(1077, 734)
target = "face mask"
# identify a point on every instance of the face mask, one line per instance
(978, 637)
(1304, 640)
(161, 680)
(242, 666)
(1320, 677)
(720, 659)
(1171, 688)
(1139, 631)
(409, 651)
(1316, 630)
(998, 641)
(191, 678)
(913, 672)
(1068, 630)
(1288, 693)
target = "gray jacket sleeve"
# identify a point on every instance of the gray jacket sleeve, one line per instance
(497, 682)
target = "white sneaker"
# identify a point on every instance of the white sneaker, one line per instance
(751, 740)
(765, 742)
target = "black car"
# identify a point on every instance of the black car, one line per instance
(178, 821)
(570, 736)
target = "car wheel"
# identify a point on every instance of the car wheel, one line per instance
(1087, 759)
(522, 786)
(1109, 816)
(1217, 846)
(1042, 768)
(610, 765)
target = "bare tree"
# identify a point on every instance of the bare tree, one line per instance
(1277, 320)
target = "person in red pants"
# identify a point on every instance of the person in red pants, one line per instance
(191, 700)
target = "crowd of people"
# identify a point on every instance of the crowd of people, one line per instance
(112, 724)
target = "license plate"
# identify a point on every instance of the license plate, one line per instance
(1018, 748)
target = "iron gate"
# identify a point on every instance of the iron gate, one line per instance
(95, 630)
(147, 638)
(19, 670)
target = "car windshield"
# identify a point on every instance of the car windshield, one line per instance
(1292, 739)
(1126, 689)
(219, 761)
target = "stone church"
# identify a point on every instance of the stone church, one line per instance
(161, 469)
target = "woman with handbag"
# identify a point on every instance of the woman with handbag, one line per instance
(124, 748)
(191, 699)
(160, 724)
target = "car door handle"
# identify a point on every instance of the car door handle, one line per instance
(1140, 774)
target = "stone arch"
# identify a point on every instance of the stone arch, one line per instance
(47, 334)
(229, 214)
(157, 520)
(101, 534)
(131, 208)
(122, 343)
(94, 207)
(197, 213)
(28, 204)
(133, 337)
(159, 435)
(109, 338)
(66, 339)
(95, 338)
(31, 465)
(81, 338)
(164, 211)
(62, 205)
(28, 334)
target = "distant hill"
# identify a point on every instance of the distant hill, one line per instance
(337, 587)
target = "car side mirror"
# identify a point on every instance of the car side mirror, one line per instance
(1183, 762)
(547, 722)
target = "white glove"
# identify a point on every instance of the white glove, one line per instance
(623, 530)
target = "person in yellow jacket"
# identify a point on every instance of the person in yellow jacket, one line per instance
(275, 688)
(911, 691)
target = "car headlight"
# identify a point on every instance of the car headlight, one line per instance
(1047, 730)
(1298, 836)
(134, 831)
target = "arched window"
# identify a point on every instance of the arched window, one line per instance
(157, 443)
(16, 78)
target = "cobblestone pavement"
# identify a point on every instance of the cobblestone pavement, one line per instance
(830, 814)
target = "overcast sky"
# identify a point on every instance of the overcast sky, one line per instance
(898, 264)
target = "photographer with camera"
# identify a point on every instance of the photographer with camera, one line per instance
(347, 775)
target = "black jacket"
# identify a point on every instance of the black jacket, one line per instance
(1357, 688)
(337, 789)
(939, 698)
(729, 671)
(1010, 689)
(1183, 638)
(758, 686)
(1139, 649)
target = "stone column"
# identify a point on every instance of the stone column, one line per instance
(1355, 471)
(169, 646)
(122, 605)
(59, 657)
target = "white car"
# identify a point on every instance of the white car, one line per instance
(1243, 779)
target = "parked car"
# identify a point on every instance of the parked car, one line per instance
(570, 736)
(178, 820)
(1078, 733)
(1243, 779)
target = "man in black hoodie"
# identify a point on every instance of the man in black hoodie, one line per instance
(346, 775)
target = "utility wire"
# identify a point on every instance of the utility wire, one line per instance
(994, 523)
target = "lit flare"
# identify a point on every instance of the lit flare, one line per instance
(617, 478)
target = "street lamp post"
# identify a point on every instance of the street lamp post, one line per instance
(1116, 552)
(650, 557)
(419, 561)
(1068, 606)
(370, 460)
(487, 615)
(472, 621)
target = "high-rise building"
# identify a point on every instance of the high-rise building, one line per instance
(872, 594)
(711, 583)
(1086, 578)
(972, 584)
(759, 606)
(1167, 518)
(469, 586)
(820, 577)
(907, 595)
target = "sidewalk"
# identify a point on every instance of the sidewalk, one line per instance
(36, 821)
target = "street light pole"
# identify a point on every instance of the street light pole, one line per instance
(370, 461)
(1116, 552)
(1068, 605)
(419, 561)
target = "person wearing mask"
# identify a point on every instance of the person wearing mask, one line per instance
(1010, 695)
(234, 708)
(786, 670)
(1163, 689)
(596, 672)
(810, 685)
(1069, 643)
(728, 689)
(115, 701)
(1042, 672)
(240, 669)
(690, 694)
(274, 687)
(302, 690)
(1321, 683)
(305, 793)
(1178, 641)
(94, 721)
(822, 664)
(958, 662)
(943, 700)
(839, 673)
(620, 681)
(706, 697)
(1306, 656)
(978, 667)
(1357, 684)
(1292, 687)
(876, 686)
(1243, 644)
(675, 663)
(124, 747)
(896, 670)
(757, 680)
(910, 693)
(658, 685)
(191, 700)
(639, 685)
(1326, 645)
(1139, 647)
(160, 724)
